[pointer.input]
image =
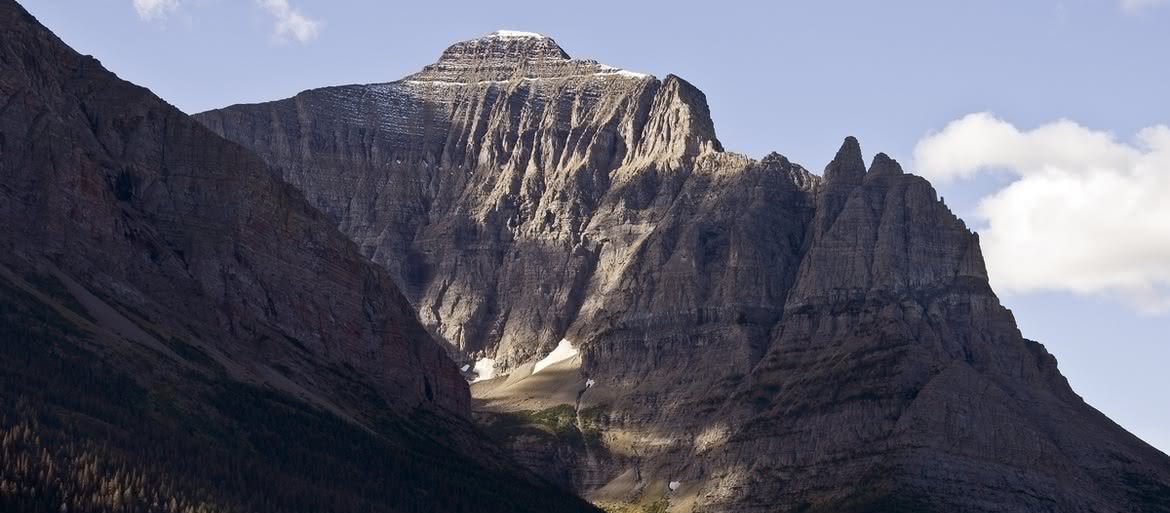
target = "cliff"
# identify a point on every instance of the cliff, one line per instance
(748, 336)
(181, 327)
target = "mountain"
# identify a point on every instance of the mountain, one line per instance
(181, 331)
(652, 321)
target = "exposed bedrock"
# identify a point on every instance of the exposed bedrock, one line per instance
(765, 338)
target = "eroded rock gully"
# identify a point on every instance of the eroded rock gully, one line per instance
(763, 337)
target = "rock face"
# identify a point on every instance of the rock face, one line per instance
(131, 197)
(190, 272)
(502, 152)
(758, 338)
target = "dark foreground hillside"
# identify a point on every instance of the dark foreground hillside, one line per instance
(181, 331)
(78, 433)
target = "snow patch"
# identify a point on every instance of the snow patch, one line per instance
(631, 74)
(563, 351)
(516, 34)
(589, 383)
(674, 485)
(610, 70)
(485, 369)
(464, 368)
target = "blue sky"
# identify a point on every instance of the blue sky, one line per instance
(1067, 100)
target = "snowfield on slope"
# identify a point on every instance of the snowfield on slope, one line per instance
(562, 352)
(485, 369)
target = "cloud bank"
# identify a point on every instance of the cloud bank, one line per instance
(155, 9)
(290, 23)
(1085, 213)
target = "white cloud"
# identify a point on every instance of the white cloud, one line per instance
(155, 9)
(1086, 213)
(1137, 5)
(290, 23)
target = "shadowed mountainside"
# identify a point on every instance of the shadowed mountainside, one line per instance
(181, 331)
(750, 336)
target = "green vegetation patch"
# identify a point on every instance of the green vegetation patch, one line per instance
(662, 505)
(560, 419)
(557, 422)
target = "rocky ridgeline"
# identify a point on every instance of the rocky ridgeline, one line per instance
(759, 338)
(504, 56)
(504, 150)
(152, 210)
(142, 254)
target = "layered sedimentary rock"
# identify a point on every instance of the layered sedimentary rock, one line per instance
(751, 336)
(166, 299)
(474, 181)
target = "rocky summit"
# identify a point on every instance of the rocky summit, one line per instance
(504, 150)
(509, 276)
(650, 320)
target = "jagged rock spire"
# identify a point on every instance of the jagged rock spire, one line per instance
(833, 302)
(842, 175)
(883, 165)
(847, 167)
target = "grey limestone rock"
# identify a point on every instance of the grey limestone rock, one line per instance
(772, 339)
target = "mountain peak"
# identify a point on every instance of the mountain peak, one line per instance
(884, 165)
(510, 44)
(505, 55)
(508, 48)
(847, 166)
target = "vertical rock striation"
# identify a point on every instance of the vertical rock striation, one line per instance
(501, 152)
(755, 336)
(226, 345)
